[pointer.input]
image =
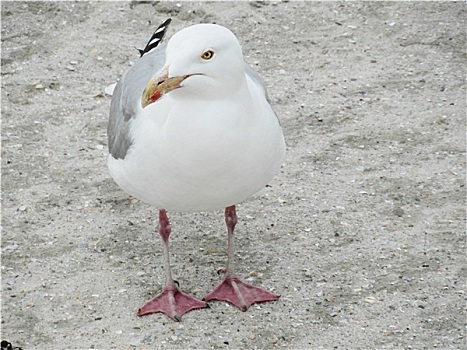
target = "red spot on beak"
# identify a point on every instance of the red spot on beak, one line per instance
(157, 95)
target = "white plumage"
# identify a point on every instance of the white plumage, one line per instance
(191, 129)
(210, 144)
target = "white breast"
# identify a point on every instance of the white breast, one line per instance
(200, 157)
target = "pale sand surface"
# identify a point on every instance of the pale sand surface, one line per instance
(362, 232)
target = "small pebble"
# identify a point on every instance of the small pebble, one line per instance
(147, 339)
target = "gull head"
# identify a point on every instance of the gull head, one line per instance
(203, 61)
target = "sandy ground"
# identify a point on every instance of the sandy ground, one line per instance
(362, 232)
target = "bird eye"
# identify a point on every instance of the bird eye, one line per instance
(207, 55)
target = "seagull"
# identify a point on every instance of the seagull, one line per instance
(191, 129)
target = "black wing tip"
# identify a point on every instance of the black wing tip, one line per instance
(165, 23)
(156, 37)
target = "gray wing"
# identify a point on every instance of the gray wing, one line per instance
(256, 78)
(258, 81)
(126, 99)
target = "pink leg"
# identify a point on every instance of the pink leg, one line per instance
(232, 289)
(172, 301)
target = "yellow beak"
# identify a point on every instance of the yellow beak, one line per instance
(159, 86)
